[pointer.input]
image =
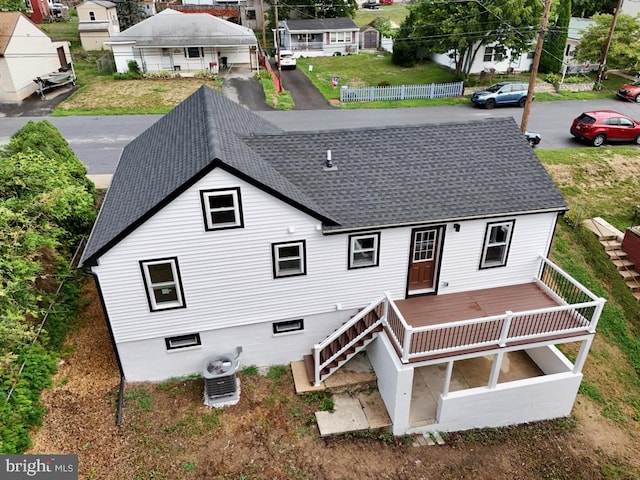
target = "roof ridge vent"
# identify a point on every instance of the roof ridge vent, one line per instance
(328, 164)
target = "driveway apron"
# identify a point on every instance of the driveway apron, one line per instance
(304, 94)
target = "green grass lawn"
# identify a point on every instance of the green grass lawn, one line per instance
(396, 13)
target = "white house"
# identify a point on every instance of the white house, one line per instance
(424, 245)
(97, 22)
(317, 37)
(26, 52)
(185, 43)
(491, 57)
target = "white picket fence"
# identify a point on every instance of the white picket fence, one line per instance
(400, 92)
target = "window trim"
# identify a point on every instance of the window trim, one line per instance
(195, 336)
(346, 37)
(275, 258)
(376, 249)
(189, 50)
(298, 326)
(177, 280)
(506, 243)
(237, 208)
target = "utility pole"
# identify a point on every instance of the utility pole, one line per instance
(607, 45)
(534, 67)
(275, 5)
(264, 27)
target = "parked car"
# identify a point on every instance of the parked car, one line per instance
(501, 93)
(286, 59)
(371, 5)
(630, 91)
(600, 126)
(533, 138)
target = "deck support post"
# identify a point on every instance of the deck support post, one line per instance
(447, 379)
(406, 345)
(495, 369)
(582, 355)
(505, 328)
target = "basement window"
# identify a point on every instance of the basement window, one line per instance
(183, 341)
(288, 326)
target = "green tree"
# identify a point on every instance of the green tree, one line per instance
(463, 28)
(624, 52)
(13, 6)
(129, 13)
(556, 39)
(588, 8)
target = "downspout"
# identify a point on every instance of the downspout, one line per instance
(115, 348)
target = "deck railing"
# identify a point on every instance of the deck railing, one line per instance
(579, 311)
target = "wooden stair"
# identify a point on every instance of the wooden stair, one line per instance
(611, 241)
(342, 346)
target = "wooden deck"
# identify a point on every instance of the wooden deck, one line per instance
(430, 310)
(441, 310)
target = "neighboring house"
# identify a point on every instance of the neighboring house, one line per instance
(149, 7)
(491, 58)
(38, 11)
(97, 23)
(26, 52)
(248, 13)
(319, 37)
(576, 28)
(184, 42)
(426, 245)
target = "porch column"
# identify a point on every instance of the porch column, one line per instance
(447, 379)
(582, 355)
(495, 369)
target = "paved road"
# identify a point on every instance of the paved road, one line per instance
(98, 141)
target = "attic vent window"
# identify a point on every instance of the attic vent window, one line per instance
(328, 164)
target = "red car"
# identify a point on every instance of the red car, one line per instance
(630, 91)
(601, 126)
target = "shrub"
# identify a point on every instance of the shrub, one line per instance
(552, 78)
(160, 75)
(384, 83)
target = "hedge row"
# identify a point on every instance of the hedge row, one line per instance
(47, 205)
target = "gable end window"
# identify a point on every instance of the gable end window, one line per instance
(162, 282)
(497, 240)
(183, 341)
(92, 16)
(289, 259)
(364, 250)
(222, 209)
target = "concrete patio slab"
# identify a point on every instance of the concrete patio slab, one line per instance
(374, 409)
(348, 416)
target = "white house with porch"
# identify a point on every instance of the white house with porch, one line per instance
(317, 37)
(184, 43)
(426, 246)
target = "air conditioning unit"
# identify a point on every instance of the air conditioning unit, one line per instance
(221, 387)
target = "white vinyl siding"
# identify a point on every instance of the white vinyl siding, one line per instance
(228, 280)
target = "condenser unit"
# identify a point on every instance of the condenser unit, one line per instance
(221, 387)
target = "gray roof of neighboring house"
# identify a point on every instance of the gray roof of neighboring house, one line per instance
(102, 3)
(171, 28)
(385, 176)
(321, 24)
(577, 26)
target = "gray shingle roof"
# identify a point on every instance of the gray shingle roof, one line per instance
(408, 175)
(321, 24)
(171, 28)
(385, 176)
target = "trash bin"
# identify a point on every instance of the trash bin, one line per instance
(223, 61)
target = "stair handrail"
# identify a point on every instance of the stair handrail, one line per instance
(318, 347)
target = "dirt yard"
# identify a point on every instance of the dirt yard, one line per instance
(167, 433)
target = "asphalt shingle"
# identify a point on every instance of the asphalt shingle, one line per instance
(385, 176)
